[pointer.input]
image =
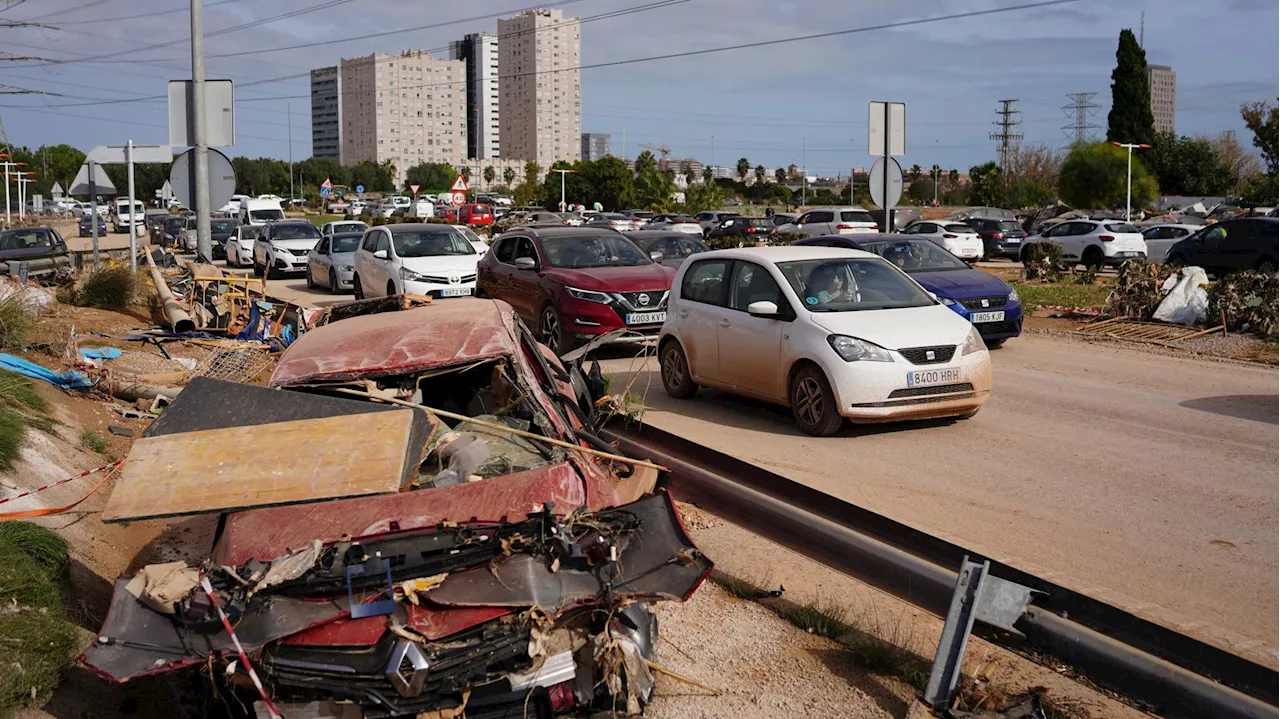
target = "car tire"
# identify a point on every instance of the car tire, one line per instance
(311, 283)
(356, 289)
(1092, 257)
(257, 269)
(551, 331)
(333, 282)
(391, 289)
(1266, 265)
(813, 404)
(271, 272)
(674, 366)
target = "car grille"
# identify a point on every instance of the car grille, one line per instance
(996, 328)
(920, 355)
(441, 280)
(652, 300)
(975, 303)
(926, 391)
(299, 253)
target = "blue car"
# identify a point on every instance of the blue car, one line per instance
(86, 225)
(983, 299)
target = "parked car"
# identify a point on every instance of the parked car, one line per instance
(576, 283)
(259, 211)
(679, 223)
(831, 333)
(282, 247)
(832, 221)
(980, 297)
(712, 218)
(170, 231)
(1248, 243)
(239, 246)
(670, 247)
(153, 223)
(385, 210)
(476, 241)
(475, 214)
(331, 263)
(1000, 237)
(612, 220)
(639, 218)
(220, 230)
(1160, 238)
(1094, 243)
(783, 218)
(743, 228)
(545, 218)
(341, 226)
(421, 259)
(958, 238)
(31, 243)
(85, 225)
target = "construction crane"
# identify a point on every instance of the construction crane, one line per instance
(661, 149)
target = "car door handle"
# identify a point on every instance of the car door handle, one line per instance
(724, 323)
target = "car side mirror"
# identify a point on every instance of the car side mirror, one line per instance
(380, 254)
(763, 309)
(656, 256)
(525, 263)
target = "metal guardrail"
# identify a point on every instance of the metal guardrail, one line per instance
(1176, 675)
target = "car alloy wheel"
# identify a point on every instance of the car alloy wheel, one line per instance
(812, 403)
(551, 330)
(675, 372)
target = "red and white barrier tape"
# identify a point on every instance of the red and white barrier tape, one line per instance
(226, 624)
(1074, 310)
(85, 473)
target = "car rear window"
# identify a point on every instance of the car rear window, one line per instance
(1009, 226)
(760, 222)
(856, 216)
(957, 227)
(1121, 227)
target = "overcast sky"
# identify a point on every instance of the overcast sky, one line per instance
(803, 102)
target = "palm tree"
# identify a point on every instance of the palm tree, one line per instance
(686, 169)
(743, 168)
(531, 171)
(953, 178)
(780, 175)
(761, 173)
(914, 173)
(466, 173)
(707, 174)
(509, 175)
(489, 175)
(388, 169)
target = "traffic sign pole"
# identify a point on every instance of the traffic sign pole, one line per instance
(888, 223)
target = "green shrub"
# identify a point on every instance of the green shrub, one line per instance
(1248, 302)
(15, 323)
(93, 440)
(108, 287)
(43, 546)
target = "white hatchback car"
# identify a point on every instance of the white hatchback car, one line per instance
(1094, 243)
(422, 259)
(340, 226)
(958, 238)
(239, 247)
(832, 333)
(832, 221)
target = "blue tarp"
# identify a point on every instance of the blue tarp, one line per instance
(65, 380)
(102, 353)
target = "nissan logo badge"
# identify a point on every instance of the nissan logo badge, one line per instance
(643, 299)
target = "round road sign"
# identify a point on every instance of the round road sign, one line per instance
(222, 179)
(359, 188)
(459, 198)
(877, 182)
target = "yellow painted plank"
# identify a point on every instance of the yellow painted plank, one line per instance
(239, 467)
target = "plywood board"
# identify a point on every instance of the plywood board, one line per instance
(231, 468)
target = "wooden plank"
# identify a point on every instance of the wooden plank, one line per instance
(220, 470)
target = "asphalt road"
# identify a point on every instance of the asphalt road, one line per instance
(1144, 480)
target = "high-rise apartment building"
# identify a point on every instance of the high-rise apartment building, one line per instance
(480, 53)
(406, 108)
(596, 145)
(540, 86)
(326, 113)
(1164, 96)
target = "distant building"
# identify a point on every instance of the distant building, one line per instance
(480, 53)
(326, 113)
(596, 145)
(540, 86)
(1164, 96)
(406, 108)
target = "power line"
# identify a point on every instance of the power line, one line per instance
(154, 13)
(92, 3)
(1082, 108)
(1008, 124)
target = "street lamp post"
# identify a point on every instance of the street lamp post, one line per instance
(562, 174)
(1128, 188)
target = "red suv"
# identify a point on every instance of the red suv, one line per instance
(576, 283)
(475, 215)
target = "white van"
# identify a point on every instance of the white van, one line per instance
(122, 218)
(259, 212)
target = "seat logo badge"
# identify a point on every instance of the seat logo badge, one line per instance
(929, 354)
(986, 303)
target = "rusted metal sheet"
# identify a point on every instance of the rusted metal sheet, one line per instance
(236, 467)
(267, 533)
(451, 333)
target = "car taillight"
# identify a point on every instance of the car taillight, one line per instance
(997, 235)
(846, 227)
(751, 230)
(949, 236)
(1106, 238)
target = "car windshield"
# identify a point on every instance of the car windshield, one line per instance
(673, 246)
(431, 243)
(915, 255)
(1120, 227)
(468, 233)
(349, 227)
(851, 285)
(581, 251)
(173, 224)
(299, 231)
(856, 216)
(346, 243)
(266, 215)
(249, 232)
(25, 238)
(221, 226)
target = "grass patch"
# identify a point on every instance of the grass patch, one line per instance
(21, 407)
(36, 638)
(1065, 295)
(15, 323)
(93, 440)
(108, 287)
(740, 588)
(43, 546)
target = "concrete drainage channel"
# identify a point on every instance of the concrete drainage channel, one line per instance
(1171, 673)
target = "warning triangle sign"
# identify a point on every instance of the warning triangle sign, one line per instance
(459, 185)
(327, 184)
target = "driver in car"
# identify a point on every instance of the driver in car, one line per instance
(827, 285)
(902, 256)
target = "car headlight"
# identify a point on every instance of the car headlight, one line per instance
(588, 295)
(852, 349)
(411, 276)
(946, 301)
(1013, 295)
(346, 268)
(973, 343)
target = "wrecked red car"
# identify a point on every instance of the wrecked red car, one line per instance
(507, 574)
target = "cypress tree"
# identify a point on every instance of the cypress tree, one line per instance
(1130, 119)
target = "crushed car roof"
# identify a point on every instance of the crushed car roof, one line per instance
(450, 333)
